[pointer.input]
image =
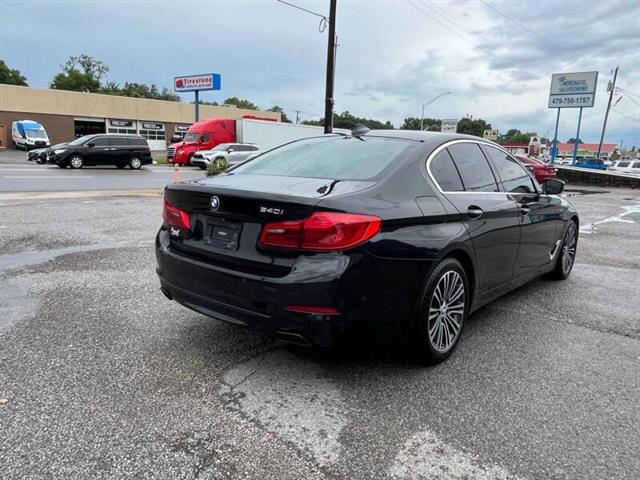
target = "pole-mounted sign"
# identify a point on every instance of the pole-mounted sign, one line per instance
(196, 83)
(449, 125)
(571, 90)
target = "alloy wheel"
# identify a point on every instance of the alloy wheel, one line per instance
(76, 162)
(569, 249)
(446, 311)
(135, 163)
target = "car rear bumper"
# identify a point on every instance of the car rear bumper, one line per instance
(375, 297)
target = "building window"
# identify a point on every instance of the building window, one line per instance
(153, 134)
(125, 131)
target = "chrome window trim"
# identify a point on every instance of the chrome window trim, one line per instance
(477, 142)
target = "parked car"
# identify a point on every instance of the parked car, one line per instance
(370, 238)
(563, 161)
(594, 163)
(102, 149)
(540, 170)
(626, 166)
(233, 153)
(27, 134)
(39, 155)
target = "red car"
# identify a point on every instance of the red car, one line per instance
(540, 170)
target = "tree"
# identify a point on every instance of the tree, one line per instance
(283, 116)
(430, 124)
(573, 140)
(80, 74)
(473, 126)
(410, 123)
(241, 103)
(348, 121)
(139, 90)
(516, 136)
(11, 76)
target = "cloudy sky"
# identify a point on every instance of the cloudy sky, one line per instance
(495, 57)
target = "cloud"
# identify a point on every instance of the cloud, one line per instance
(392, 57)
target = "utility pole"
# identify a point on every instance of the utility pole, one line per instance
(331, 59)
(297, 116)
(612, 88)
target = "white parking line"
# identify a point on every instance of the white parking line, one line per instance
(44, 177)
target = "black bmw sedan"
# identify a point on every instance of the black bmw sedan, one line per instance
(369, 238)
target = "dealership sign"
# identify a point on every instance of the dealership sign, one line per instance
(121, 123)
(192, 83)
(449, 125)
(573, 90)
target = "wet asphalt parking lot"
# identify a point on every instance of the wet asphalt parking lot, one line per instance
(102, 377)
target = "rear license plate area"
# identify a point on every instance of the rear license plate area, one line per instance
(223, 235)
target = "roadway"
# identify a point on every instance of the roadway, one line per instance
(19, 175)
(102, 377)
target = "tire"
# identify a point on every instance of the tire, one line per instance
(135, 163)
(567, 256)
(189, 160)
(202, 167)
(439, 321)
(76, 161)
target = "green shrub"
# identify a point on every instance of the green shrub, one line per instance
(217, 166)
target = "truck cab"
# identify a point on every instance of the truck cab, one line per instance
(203, 135)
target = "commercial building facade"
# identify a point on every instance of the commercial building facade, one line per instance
(67, 115)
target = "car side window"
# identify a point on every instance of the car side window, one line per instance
(514, 176)
(636, 165)
(473, 167)
(100, 142)
(116, 141)
(444, 172)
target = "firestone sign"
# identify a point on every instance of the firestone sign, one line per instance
(194, 83)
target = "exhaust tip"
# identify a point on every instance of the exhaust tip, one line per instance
(166, 293)
(293, 338)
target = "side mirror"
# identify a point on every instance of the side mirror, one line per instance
(91, 144)
(552, 186)
(230, 150)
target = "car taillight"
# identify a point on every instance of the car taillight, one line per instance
(175, 217)
(322, 231)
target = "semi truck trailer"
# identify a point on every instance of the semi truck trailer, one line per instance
(266, 134)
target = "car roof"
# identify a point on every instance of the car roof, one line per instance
(432, 139)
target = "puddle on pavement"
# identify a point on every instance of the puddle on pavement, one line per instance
(28, 258)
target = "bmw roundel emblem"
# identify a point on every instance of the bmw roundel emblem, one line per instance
(215, 202)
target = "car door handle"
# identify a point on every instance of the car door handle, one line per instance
(524, 209)
(474, 212)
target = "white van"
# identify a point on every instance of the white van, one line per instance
(27, 134)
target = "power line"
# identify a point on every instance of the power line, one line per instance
(519, 24)
(323, 19)
(439, 22)
(628, 92)
(637, 119)
(631, 98)
(448, 17)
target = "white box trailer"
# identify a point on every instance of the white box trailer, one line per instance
(268, 135)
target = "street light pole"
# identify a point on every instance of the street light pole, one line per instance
(426, 104)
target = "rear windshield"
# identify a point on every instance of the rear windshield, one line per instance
(343, 158)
